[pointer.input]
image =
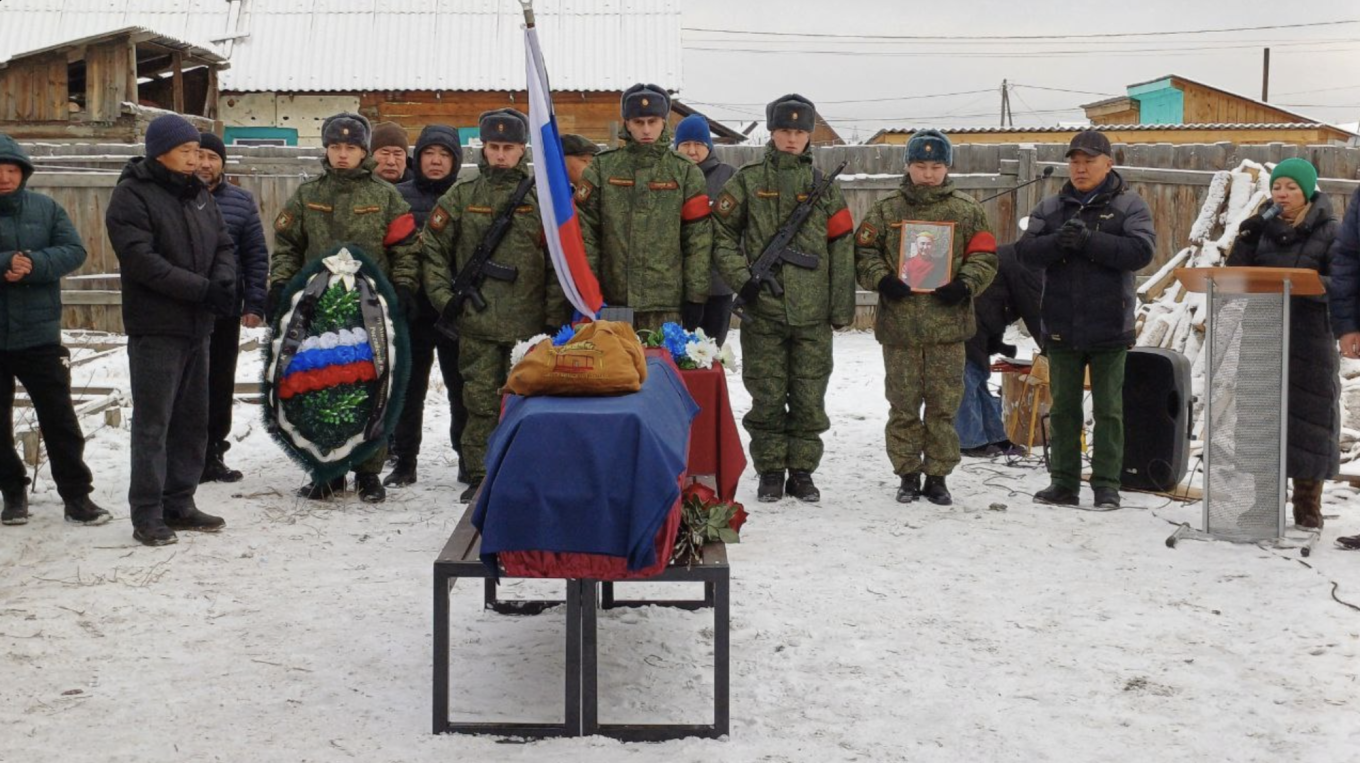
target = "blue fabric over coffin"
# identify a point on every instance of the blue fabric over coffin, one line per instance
(593, 475)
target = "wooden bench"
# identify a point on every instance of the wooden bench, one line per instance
(461, 559)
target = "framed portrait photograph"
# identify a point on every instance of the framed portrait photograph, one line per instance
(926, 256)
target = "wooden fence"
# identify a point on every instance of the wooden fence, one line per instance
(1172, 179)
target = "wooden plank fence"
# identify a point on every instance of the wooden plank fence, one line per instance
(1172, 179)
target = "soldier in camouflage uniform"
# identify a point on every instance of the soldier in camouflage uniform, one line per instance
(645, 219)
(786, 340)
(515, 310)
(347, 204)
(923, 332)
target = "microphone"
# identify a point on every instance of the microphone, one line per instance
(1271, 211)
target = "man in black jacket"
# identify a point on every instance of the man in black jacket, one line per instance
(694, 140)
(177, 267)
(439, 156)
(1089, 239)
(242, 217)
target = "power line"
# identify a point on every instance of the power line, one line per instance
(861, 100)
(1322, 90)
(1062, 90)
(1003, 55)
(1099, 35)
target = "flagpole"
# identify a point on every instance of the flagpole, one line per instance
(528, 6)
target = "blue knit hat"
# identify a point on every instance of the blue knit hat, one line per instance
(694, 128)
(930, 146)
(166, 132)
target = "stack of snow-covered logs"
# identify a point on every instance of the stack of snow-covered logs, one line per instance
(1172, 318)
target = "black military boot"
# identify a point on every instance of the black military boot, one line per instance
(1106, 498)
(1057, 495)
(910, 489)
(936, 492)
(83, 511)
(771, 487)
(403, 474)
(154, 533)
(16, 506)
(323, 491)
(800, 486)
(471, 492)
(369, 488)
(193, 520)
(215, 469)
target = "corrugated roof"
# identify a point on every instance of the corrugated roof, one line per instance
(351, 45)
(141, 34)
(1112, 128)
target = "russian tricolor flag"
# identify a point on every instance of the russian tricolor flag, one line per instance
(561, 225)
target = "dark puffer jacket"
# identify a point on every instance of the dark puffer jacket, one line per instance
(30, 308)
(1089, 297)
(1314, 450)
(716, 175)
(242, 217)
(1343, 292)
(171, 243)
(1012, 296)
(421, 192)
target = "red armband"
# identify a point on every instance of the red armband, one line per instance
(982, 243)
(400, 229)
(839, 224)
(695, 209)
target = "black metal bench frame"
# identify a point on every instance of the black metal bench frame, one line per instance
(461, 559)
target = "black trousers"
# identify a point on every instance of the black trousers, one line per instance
(223, 350)
(169, 423)
(717, 318)
(425, 342)
(45, 373)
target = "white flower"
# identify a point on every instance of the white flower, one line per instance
(522, 349)
(328, 340)
(727, 357)
(702, 353)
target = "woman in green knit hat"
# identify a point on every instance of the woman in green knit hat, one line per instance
(1295, 230)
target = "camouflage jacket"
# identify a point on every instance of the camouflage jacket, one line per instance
(878, 243)
(750, 209)
(346, 207)
(517, 309)
(645, 220)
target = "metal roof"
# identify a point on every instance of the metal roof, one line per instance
(1111, 128)
(358, 45)
(140, 34)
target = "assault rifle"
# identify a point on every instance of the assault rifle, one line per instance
(779, 251)
(467, 285)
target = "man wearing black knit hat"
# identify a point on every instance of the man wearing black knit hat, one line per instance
(242, 217)
(645, 219)
(177, 267)
(786, 339)
(439, 156)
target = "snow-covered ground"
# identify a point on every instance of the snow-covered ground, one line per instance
(993, 630)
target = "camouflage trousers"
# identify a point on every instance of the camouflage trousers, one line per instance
(929, 374)
(484, 366)
(786, 370)
(652, 320)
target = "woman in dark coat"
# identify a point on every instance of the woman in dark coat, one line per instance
(1300, 236)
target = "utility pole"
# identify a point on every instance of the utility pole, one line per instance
(1265, 77)
(1006, 114)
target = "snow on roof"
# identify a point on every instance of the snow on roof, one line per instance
(356, 45)
(1113, 128)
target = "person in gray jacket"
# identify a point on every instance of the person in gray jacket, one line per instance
(38, 245)
(694, 140)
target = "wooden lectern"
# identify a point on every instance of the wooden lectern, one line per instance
(1246, 394)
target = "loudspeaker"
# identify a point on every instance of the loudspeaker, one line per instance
(1157, 419)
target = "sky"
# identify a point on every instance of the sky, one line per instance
(863, 84)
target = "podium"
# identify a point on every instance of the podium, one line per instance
(1246, 391)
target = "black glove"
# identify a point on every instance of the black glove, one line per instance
(272, 302)
(750, 291)
(952, 293)
(221, 298)
(410, 307)
(1073, 235)
(1251, 227)
(691, 315)
(891, 287)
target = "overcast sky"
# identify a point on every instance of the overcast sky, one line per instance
(1314, 70)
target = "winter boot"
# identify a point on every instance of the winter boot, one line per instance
(16, 506)
(471, 492)
(369, 488)
(981, 451)
(910, 489)
(1057, 495)
(800, 486)
(154, 533)
(83, 511)
(1308, 503)
(936, 492)
(323, 491)
(771, 487)
(403, 474)
(462, 473)
(193, 520)
(1106, 498)
(215, 469)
